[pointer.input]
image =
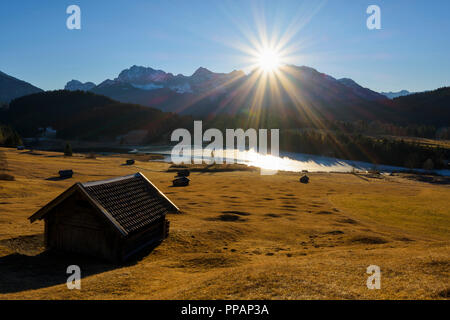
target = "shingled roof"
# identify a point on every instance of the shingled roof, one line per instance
(130, 202)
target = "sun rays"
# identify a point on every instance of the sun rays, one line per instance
(268, 50)
(272, 91)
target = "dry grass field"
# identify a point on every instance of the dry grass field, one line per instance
(240, 236)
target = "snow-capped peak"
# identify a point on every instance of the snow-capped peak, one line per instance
(74, 85)
(141, 75)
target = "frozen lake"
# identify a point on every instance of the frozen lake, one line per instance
(286, 161)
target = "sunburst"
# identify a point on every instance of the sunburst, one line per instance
(269, 60)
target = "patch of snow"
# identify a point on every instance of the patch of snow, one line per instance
(182, 88)
(148, 86)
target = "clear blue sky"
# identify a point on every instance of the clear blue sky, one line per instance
(411, 51)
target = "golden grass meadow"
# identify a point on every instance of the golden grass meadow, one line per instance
(240, 235)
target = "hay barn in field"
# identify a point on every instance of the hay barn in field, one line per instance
(111, 219)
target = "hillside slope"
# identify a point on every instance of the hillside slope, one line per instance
(279, 239)
(430, 107)
(11, 88)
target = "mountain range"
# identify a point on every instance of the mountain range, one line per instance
(201, 81)
(393, 95)
(189, 94)
(133, 85)
(296, 93)
(75, 85)
(206, 93)
(143, 78)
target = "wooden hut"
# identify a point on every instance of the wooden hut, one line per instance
(112, 219)
(181, 182)
(304, 179)
(65, 174)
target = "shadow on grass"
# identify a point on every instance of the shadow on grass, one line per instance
(32, 152)
(20, 272)
(57, 178)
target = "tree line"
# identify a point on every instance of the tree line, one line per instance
(9, 137)
(364, 148)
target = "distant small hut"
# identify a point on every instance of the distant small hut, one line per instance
(304, 179)
(64, 174)
(130, 162)
(111, 219)
(181, 182)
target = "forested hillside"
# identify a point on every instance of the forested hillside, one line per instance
(86, 116)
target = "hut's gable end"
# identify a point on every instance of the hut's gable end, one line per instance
(78, 212)
(74, 225)
(75, 208)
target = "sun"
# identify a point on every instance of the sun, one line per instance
(268, 60)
